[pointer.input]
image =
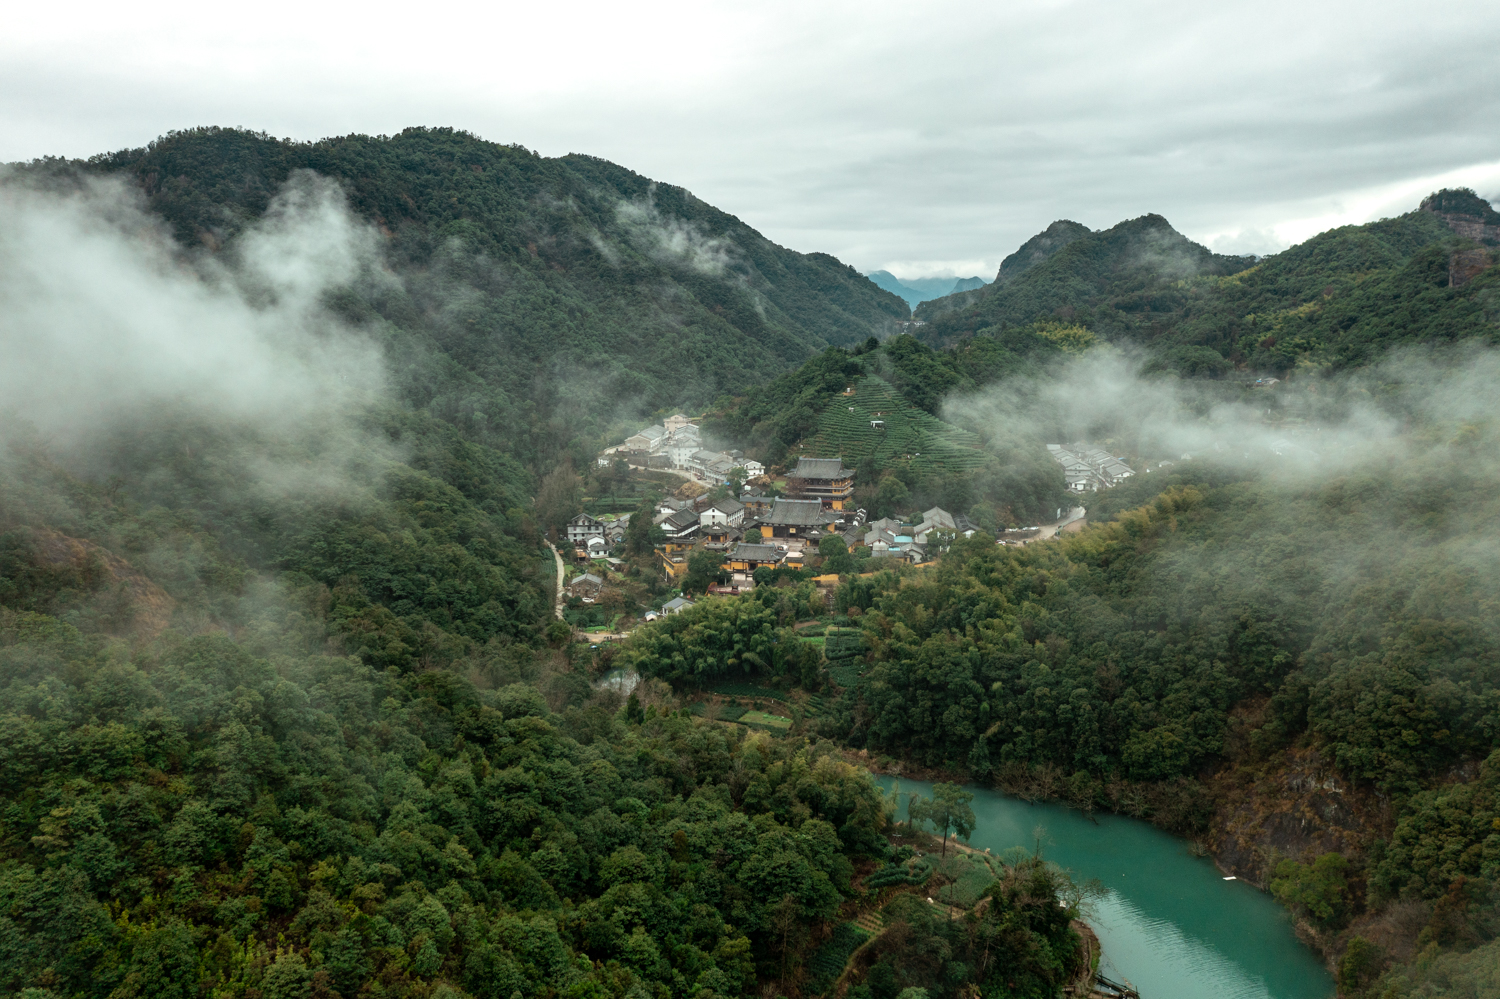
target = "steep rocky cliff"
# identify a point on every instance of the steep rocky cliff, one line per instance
(1472, 217)
(1466, 213)
(1294, 805)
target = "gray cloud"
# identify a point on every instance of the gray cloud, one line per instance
(918, 139)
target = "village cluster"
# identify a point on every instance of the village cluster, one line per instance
(676, 444)
(816, 505)
(764, 526)
(759, 530)
(1088, 468)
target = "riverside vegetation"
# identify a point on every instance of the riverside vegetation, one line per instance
(308, 743)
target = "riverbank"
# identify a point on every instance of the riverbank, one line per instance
(1166, 919)
(1178, 807)
(1244, 818)
(951, 889)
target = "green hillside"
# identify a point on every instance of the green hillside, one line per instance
(919, 459)
(911, 439)
(1338, 300)
(1134, 268)
(539, 299)
(285, 710)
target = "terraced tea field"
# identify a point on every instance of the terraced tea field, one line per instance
(911, 437)
(828, 961)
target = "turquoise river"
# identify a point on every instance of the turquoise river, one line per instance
(1169, 923)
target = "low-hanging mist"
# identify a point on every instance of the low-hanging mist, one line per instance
(115, 335)
(1314, 426)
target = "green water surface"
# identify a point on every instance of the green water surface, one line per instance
(1169, 924)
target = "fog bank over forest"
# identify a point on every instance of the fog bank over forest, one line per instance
(114, 330)
(1314, 426)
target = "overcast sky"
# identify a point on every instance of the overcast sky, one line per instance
(923, 138)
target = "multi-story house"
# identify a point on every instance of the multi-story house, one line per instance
(823, 479)
(646, 440)
(583, 527)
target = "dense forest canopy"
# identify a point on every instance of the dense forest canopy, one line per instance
(286, 710)
(537, 299)
(283, 712)
(232, 782)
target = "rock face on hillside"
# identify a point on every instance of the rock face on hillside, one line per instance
(1472, 217)
(1466, 213)
(1301, 808)
(1466, 265)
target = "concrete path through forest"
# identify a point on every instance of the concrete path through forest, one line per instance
(1055, 528)
(557, 607)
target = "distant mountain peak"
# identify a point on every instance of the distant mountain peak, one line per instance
(918, 290)
(1038, 248)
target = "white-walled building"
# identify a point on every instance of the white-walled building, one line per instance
(723, 512)
(1089, 469)
(583, 527)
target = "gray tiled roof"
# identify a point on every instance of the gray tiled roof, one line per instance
(757, 553)
(820, 468)
(797, 513)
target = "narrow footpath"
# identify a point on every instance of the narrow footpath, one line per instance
(557, 606)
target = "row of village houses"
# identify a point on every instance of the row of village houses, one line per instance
(677, 443)
(820, 503)
(1087, 468)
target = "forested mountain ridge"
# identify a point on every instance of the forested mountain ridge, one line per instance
(286, 712)
(566, 292)
(284, 709)
(1340, 299)
(1067, 266)
(1030, 253)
